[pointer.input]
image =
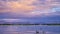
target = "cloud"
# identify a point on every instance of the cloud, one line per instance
(28, 8)
(12, 20)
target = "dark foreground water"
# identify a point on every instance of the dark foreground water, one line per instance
(29, 29)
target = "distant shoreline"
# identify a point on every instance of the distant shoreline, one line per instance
(29, 24)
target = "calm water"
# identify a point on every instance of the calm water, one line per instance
(29, 29)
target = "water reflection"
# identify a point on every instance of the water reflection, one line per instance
(29, 29)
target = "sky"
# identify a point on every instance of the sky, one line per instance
(29, 12)
(46, 11)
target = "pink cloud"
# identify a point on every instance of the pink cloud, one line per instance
(26, 7)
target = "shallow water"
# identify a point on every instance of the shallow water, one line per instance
(29, 29)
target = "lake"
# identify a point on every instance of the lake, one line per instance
(29, 29)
